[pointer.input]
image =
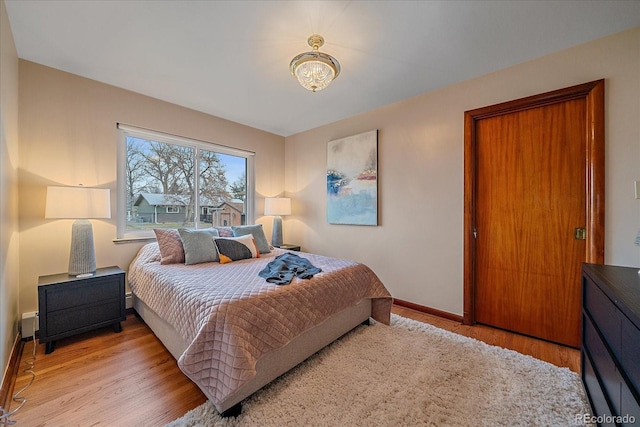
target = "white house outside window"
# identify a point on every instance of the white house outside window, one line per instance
(166, 181)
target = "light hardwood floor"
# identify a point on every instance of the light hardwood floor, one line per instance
(104, 378)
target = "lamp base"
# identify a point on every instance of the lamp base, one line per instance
(82, 258)
(276, 236)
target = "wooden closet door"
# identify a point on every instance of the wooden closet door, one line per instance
(530, 198)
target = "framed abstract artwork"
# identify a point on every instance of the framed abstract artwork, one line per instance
(352, 180)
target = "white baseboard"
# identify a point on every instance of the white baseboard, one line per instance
(129, 300)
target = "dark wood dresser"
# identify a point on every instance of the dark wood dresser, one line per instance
(610, 351)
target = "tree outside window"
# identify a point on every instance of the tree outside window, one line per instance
(182, 184)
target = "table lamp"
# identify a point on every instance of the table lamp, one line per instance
(79, 203)
(277, 206)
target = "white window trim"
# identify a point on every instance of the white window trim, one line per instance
(137, 132)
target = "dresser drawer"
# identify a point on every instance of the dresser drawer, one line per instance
(78, 293)
(630, 355)
(604, 314)
(596, 397)
(603, 364)
(630, 407)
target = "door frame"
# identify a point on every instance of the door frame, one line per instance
(593, 93)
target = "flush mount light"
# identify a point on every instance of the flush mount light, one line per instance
(315, 70)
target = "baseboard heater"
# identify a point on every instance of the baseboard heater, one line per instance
(30, 325)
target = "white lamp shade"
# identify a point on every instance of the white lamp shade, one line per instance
(277, 206)
(78, 203)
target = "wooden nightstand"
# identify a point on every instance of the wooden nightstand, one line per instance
(289, 247)
(69, 305)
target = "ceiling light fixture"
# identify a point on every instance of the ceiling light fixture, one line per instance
(315, 70)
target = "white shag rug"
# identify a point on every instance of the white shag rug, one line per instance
(411, 374)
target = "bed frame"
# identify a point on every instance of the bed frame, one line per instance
(273, 364)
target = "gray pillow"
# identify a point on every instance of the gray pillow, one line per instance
(258, 236)
(198, 245)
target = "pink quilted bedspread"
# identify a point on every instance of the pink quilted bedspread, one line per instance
(231, 316)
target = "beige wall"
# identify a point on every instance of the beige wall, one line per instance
(8, 191)
(418, 248)
(68, 136)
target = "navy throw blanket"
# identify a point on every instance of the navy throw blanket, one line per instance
(281, 270)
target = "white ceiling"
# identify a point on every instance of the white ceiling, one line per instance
(230, 58)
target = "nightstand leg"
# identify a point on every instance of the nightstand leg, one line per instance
(49, 347)
(117, 327)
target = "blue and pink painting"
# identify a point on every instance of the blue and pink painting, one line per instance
(352, 180)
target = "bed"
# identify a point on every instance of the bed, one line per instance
(232, 332)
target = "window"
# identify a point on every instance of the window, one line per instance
(167, 181)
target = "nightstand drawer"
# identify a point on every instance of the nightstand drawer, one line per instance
(81, 318)
(100, 289)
